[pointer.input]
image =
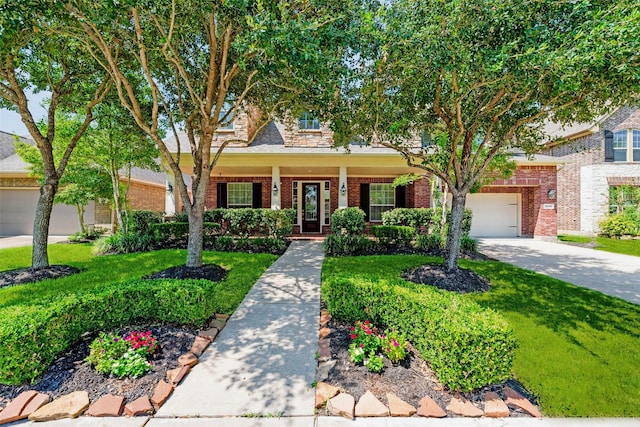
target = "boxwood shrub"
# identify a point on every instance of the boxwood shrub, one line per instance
(466, 345)
(394, 235)
(32, 337)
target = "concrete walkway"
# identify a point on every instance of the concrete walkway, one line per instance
(25, 240)
(613, 274)
(263, 361)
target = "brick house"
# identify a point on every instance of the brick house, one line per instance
(595, 156)
(19, 195)
(293, 165)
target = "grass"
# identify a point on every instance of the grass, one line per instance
(244, 271)
(579, 350)
(618, 246)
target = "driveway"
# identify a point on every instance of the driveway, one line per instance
(25, 240)
(613, 274)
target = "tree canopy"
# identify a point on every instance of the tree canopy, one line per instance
(476, 80)
(201, 62)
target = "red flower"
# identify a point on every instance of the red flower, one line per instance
(366, 322)
(353, 336)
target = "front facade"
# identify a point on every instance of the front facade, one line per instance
(596, 158)
(295, 166)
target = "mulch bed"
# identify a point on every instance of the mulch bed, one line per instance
(410, 380)
(212, 272)
(26, 275)
(461, 280)
(71, 373)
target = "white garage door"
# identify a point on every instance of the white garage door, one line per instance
(17, 211)
(494, 215)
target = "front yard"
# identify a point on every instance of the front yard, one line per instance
(578, 350)
(618, 246)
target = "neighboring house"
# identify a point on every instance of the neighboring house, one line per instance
(19, 195)
(295, 166)
(595, 157)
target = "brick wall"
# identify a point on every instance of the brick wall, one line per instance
(212, 191)
(532, 183)
(583, 151)
(146, 197)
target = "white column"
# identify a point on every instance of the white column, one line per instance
(275, 183)
(343, 197)
(170, 195)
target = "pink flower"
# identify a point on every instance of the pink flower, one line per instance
(395, 343)
(353, 336)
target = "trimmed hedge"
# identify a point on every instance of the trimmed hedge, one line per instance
(32, 337)
(394, 235)
(170, 231)
(245, 222)
(424, 220)
(467, 346)
(348, 221)
(348, 244)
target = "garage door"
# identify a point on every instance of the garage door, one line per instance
(494, 215)
(18, 208)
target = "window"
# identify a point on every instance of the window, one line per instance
(240, 195)
(327, 203)
(294, 202)
(381, 198)
(620, 146)
(229, 119)
(622, 197)
(308, 122)
(636, 145)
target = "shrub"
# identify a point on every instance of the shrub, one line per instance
(348, 221)
(395, 345)
(247, 222)
(412, 217)
(347, 244)
(92, 233)
(394, 235)
(140, 221)
(625, 223)
(119, 243)
(468, 244)
(31, 337)
(223, 244)
(179, 231)
(430, 242)
(467, 346)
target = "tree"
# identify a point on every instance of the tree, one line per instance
(203, 61)
(32, 58)
(115, 143)
(478, 78)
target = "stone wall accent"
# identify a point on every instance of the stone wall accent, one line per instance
(594, 190)
(296, 137)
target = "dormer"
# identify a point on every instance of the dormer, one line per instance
(305, 130)
(241, 128)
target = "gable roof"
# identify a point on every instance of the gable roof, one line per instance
(631, 122)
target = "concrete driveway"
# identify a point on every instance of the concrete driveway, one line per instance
(25, 240)
(609, 273)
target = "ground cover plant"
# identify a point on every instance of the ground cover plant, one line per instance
(40, 320)
(618, 246)
(578, 350)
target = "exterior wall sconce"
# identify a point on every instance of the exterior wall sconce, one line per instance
(169, 188)
(551, 194)
(275, 188)
(343, 189)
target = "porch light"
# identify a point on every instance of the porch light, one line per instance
(551, 194)
(275, 188)
(343, 189)
(169, 188)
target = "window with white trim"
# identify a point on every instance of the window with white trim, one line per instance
(294, 201)
(308, 122)
(635, 137)
(239, 195)
(327, 203)
(381, 199)
(620, 146)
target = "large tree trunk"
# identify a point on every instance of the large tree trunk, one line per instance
(196, 239)
(39, 255)
(455, 231)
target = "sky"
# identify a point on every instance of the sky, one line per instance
(12, 123)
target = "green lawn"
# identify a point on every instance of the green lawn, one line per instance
(244, 270)
(579, 350)
(618, 246)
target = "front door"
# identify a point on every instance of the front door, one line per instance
(311, 208)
